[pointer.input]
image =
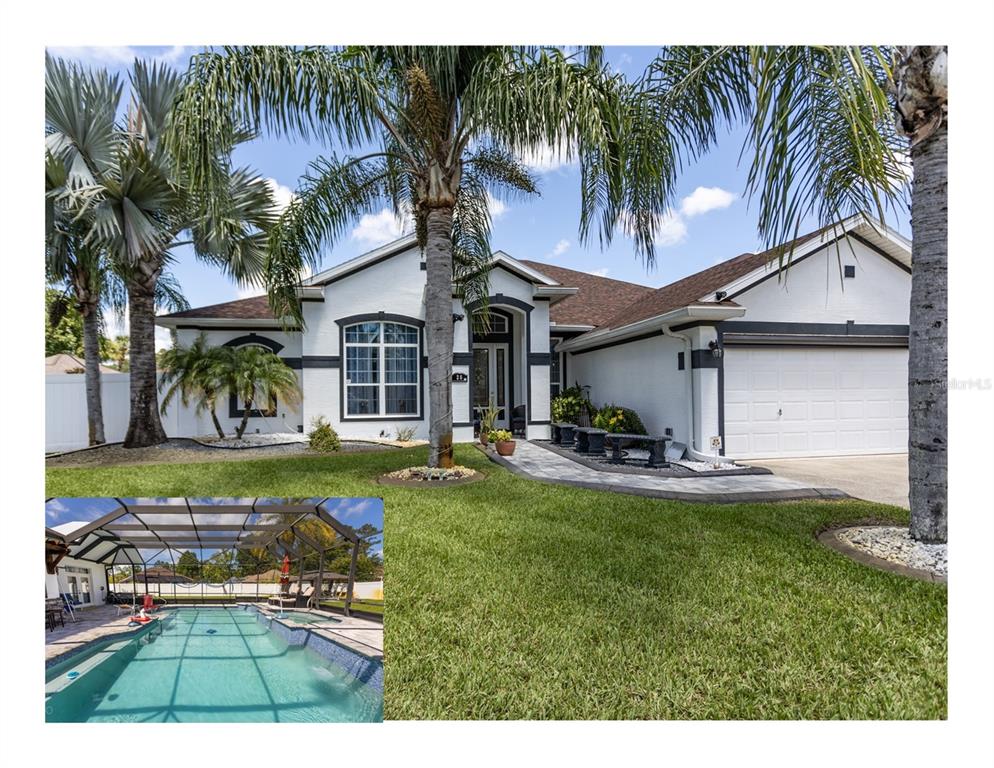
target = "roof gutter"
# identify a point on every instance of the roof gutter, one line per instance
(703, 311)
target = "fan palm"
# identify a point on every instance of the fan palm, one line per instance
(433, 131)
(254, 375)
(73, 260)
(138, 205)
(830, 130)
(195, 374)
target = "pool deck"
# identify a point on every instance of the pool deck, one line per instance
(96, 623)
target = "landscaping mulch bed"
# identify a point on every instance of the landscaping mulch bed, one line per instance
(185, 451)
(427, 477)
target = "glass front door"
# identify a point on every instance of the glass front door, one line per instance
(491, 381)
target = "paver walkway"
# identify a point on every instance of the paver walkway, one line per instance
(538, 463)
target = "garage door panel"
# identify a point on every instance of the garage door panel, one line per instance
(814, 401)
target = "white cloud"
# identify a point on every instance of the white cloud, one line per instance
(602, 272)
(546, 158)
(496, 207)
(282, 194)
(120, 55)
(558, 249)
(163, 339)
(376, 229)
(671, 229)
(704, 199)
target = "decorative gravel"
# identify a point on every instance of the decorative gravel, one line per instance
(895, 545)
(185, 451)
(254, 440)
(432, 475)
(694, 466)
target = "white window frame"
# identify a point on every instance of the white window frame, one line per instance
(382, 345)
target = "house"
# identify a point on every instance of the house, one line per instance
(810, 362)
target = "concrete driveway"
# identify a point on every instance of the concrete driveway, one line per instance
(882, 478)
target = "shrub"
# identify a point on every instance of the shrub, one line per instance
(406, 434)
(616, 418)
(570, 405)
(499, 436)
(322, 436)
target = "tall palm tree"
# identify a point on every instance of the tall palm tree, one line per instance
(126, 182)
(83, 105)
(195, 374)
(255, 375)
(433, 130)
(830, 130)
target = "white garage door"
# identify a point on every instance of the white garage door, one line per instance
(821, 401)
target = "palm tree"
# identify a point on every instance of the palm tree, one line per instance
(830, 130)
(83, 105)
(193, 373)
(255, 375)
(434, 130)
(139, 206)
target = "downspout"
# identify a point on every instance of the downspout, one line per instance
(692, 451)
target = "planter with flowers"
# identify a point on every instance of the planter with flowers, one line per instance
(503, 441)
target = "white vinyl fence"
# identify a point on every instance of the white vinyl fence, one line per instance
(65, 410)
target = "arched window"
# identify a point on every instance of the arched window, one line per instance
(382, 369)
(236, 409)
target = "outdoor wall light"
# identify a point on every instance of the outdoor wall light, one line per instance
(715, 349)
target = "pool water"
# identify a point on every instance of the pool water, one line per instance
(303, 617)
(208, 665)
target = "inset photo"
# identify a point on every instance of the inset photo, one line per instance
(216, 610)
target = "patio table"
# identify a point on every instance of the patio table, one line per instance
(657, 447)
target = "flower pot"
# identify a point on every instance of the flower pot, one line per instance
(484, 440)
(506, 447)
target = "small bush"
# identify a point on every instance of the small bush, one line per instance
(322, 436)
(406, 434)
(570, 405)
(615, 418)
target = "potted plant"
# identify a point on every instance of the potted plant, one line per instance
(503, 440)
(488, 417)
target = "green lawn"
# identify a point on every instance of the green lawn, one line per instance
(514, 599)
(367, 606)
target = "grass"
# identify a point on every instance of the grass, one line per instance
(366, 606)
(515, 599)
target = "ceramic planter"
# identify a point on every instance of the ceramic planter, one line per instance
(505, 447)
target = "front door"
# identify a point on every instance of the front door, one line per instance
(491, 381)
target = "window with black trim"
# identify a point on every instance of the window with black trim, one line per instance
(498, 323)
(382, 369)
(237, 409)
(555, 369)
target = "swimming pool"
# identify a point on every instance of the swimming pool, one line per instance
(305, 617)
(207, 665)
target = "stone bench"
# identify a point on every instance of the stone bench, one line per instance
(657, 447)
(563, 433)
(590, 440)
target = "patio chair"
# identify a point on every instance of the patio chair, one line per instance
(518, 421)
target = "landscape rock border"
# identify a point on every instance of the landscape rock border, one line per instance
(829, 538)
(403, 483)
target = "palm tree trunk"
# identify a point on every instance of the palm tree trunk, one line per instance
(438, 327)
(217, 423)
(145, 426)
(927, 364)
(240, 430)
(91, 368)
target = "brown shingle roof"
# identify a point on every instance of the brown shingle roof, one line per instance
(598, 299)
(692, 288)
(254, 308)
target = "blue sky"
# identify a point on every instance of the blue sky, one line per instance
(711, 221)
(354, 512)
